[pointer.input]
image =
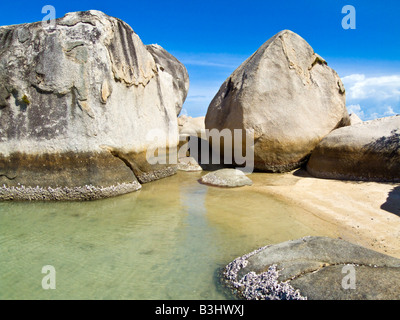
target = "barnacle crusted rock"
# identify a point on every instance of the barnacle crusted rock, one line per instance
(313, 268)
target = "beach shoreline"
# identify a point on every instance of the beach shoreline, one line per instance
(364, 213)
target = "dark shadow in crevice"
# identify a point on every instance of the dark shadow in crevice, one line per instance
(302, 172)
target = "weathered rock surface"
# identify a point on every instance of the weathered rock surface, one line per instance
(228, 178)
(314, 268)
(368, 151)
(288, 95)
(171, 71)
(78, 105)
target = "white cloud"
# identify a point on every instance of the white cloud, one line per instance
(360, 87)
(356, 109)
(354, 78)
(390, 112)
(361, 113)
(373, 97)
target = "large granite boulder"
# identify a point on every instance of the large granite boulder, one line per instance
(368, 151)
(314, 268)
(288, 95)
(83, 107)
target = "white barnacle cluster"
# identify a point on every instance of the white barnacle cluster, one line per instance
(80, 193)
(264, 286)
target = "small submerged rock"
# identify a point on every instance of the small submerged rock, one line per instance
(229, 178)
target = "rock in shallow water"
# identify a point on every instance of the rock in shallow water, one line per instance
(314, 268)
(228, 178)
(288, 95)
(367, 151)
(78, 105)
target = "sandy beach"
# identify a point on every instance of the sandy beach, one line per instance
(365, 213)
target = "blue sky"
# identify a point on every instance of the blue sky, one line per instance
(212, 38)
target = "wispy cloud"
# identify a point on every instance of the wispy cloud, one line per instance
(205, 63)
(356, 109)
(200, 95)
(203, 91)
(216, 60)
(207, 72)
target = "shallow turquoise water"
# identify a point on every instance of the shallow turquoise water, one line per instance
(164, 242)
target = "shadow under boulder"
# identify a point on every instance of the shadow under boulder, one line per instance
(392, 203)
(195, 152)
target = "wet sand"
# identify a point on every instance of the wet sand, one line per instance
(365, 213)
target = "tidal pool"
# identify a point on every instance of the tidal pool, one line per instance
(164, 242)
